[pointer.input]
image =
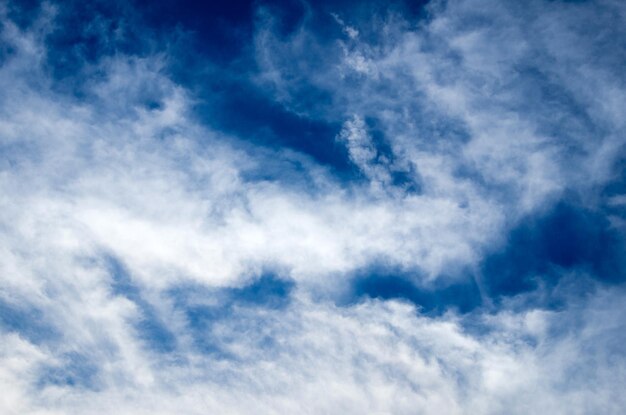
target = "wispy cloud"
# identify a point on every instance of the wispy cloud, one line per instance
(160, 256)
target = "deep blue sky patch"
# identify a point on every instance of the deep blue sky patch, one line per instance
(75, 370)
(203, 309)
(385, 283)
(150, 326)
(26, 320)
(540, 249)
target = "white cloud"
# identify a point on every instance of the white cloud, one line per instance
(80, 179)
(374, 357)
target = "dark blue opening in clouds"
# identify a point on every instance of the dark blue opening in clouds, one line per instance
(74, 369)
(381, 282)
(204, 309)
(240, 108)
(210, 45)
(28, 321)
(542, 249)
(150, 326)
(568, 241)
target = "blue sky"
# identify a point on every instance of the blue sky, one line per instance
(279, 207)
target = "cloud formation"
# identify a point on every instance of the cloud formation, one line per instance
(362, 211)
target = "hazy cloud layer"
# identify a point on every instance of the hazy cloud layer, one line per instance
(354, 210)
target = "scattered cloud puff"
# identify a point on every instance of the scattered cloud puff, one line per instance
(154, 261)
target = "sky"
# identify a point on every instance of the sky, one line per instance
(312, 207)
